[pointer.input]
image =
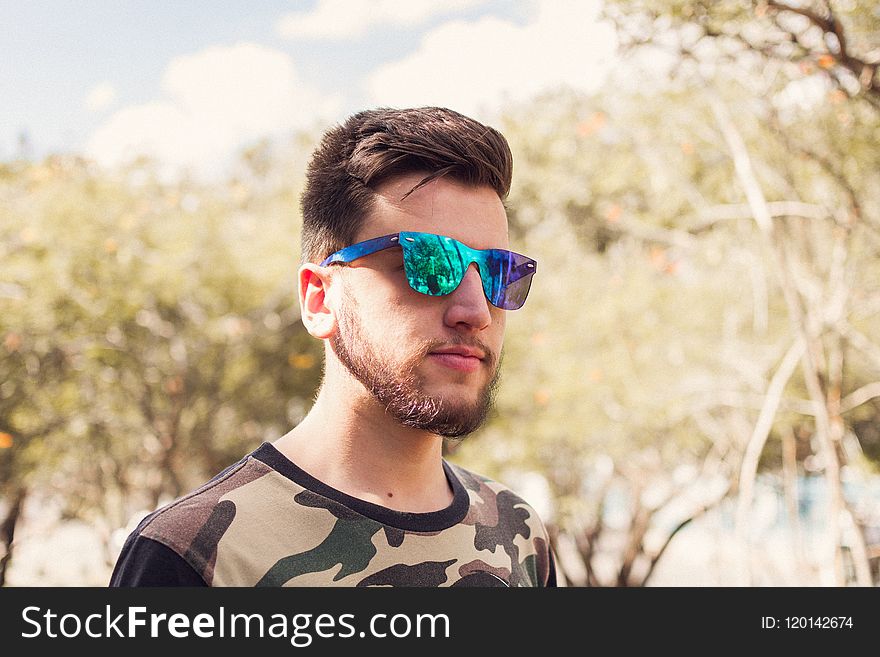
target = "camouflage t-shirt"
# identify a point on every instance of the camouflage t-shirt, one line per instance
(265, 522)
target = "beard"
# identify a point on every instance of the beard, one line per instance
(397, 387)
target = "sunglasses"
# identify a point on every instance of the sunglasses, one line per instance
(435, 265)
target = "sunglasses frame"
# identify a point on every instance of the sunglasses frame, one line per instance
(350, 253)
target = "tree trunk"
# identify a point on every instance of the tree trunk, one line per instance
(749, 469)
(7, 531)
(790, 493)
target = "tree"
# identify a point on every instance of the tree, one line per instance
(716, 166)
(796, 43)
(150, 333)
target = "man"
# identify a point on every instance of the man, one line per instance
(406, 277)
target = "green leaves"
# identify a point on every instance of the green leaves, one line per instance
(134, 318)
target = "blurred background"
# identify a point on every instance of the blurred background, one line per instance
(691, 396)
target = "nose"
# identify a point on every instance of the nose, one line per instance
(468, 306)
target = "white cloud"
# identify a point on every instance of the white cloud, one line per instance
(344, 19)
(475, 67)
(216, 101)
(100, 97)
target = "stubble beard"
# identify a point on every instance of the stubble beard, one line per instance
(397, 387)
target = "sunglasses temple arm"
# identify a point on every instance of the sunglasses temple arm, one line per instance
(362, 249)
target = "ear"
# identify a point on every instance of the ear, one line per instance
(318, 316)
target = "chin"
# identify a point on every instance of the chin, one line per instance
(458, 399)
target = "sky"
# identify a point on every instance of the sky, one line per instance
(191, 82)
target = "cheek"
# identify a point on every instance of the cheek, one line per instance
(382, 294)
(499, 317)
(499, 321)
(393, 309)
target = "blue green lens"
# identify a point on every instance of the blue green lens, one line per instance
(435, 265)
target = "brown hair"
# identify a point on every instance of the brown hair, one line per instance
(375, 145)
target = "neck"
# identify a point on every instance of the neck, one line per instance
(348, 442)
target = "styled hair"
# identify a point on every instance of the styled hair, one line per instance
(354, 158)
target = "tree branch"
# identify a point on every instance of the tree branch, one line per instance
(858, 397)
(860, 341)
(758, 439)
(825, 24)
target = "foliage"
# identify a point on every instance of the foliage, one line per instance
(661, 310)
(150, 333)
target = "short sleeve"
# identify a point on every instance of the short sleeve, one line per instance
(145, 562)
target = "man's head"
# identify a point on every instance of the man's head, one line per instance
(371, 147)
(430, 361)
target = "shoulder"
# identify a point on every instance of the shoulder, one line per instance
(487, 494)
(503, 519)
(188, 530)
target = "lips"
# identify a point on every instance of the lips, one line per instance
(467, 352)
(463, 359)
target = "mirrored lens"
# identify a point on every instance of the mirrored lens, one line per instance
(514, 295)
(507, 277)
(434, 264)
